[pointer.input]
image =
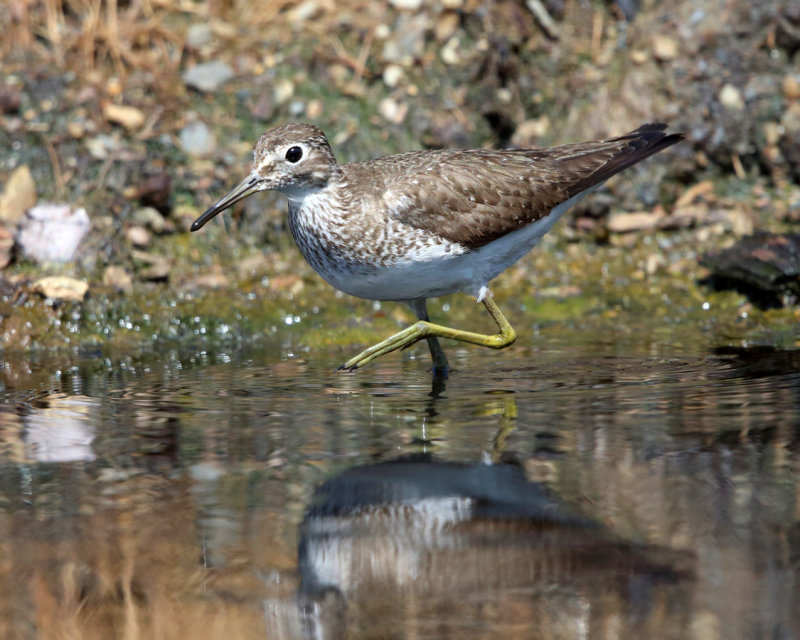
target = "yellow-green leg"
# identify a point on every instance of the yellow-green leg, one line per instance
(425, 329)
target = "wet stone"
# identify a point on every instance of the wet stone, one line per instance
(765, 267)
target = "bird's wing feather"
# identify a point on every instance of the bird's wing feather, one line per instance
(475, 196)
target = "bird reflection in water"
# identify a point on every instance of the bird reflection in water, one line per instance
(419, 548)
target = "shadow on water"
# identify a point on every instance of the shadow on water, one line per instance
(562, 493)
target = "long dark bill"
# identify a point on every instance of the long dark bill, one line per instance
(245, 188)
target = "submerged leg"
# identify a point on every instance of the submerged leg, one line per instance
(440, 366)
(425, 329)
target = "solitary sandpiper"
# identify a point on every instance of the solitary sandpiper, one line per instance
(418, 225)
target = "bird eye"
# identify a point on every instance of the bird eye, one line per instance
(293, 154)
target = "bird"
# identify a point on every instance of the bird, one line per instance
(423, 224)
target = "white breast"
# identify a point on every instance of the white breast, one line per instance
(398, 262)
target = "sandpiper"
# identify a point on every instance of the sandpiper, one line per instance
(418, 225)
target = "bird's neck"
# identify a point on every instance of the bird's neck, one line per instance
(320, 204)
(320, 219)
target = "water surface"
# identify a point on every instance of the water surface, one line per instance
(562, 492)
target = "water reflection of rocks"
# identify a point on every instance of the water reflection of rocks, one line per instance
(431, 549)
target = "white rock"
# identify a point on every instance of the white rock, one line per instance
(406, 5)
(52, 232)
(731, 98)
(393, 74)
(392, 110)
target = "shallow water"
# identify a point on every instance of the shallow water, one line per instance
(564, 492)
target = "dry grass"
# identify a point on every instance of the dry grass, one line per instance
(120, 36)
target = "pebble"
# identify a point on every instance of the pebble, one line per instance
(304, 11)
(407, 41)
(199, 35)
(635, 221)
(314, 109)
(150, 217)
(283, 90)
(102, 146)
(406, 5)
(665, 48)
(127, 116)
(393, 111)
(6, 246)
(450, 52)
(61, 288)
(731, 98)
(156, 191)
(264, 108)
(118, 279)
(791, 87)
(196, 139)
(52, 232)
(392, 75)
(19, 195)
(154, 267)
(10, 98)
(138, 236)
(529, 132)
(207, 76)
(76, 129)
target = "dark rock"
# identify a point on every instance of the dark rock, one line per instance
(155, 192)
(765, 267)
(9, 98)
(790, 149)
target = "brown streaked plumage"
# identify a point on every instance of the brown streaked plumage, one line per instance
(422, 224)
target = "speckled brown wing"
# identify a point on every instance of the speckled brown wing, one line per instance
(475, 196)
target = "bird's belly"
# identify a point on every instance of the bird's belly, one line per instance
(405, 281)
(432, 271)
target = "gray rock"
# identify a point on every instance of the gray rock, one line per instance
(52, 232)
(207, 76)
(196, 139)
(407, 40)
(199, 35)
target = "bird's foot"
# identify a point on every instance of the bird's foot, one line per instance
(400, 340)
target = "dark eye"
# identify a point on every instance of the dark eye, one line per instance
(293, 154)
